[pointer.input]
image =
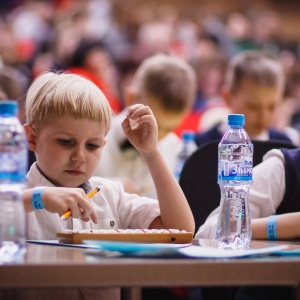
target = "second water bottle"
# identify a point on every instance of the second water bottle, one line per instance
(235, 161)
(188, 147)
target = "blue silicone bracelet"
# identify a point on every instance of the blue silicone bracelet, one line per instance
(271, 228)
(36, 198)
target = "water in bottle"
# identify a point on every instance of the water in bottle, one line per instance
(235, 161)
(13, 168)
(188, 147)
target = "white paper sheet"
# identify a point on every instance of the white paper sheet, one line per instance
(209, 252)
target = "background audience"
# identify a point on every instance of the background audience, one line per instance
(107, 41)
(38, 35)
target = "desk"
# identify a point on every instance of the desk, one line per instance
(70, 267)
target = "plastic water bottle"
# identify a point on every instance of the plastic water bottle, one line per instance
(235, 162)
(13, 167)
(188, 147)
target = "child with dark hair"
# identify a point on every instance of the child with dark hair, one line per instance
(92, 60)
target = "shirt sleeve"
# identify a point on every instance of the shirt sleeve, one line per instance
(132, 211)
(268, 186)
(138, 212)
(265, 195)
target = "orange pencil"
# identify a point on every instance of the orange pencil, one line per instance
(89, 195)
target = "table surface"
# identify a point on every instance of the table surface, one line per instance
(59, 266)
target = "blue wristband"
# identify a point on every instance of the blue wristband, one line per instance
(271, 227)
(36, 198)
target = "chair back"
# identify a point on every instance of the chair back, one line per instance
(198, 179)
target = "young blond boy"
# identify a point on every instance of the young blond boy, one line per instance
(68, 118)
(167, 85)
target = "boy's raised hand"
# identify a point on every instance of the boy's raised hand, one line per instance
(140, 127)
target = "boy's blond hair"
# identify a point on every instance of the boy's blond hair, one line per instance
(167, 78)
(53, 95)
(256, 66)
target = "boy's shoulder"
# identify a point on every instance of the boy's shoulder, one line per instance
(209, 135)
(279, 135)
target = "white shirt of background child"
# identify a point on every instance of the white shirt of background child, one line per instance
(266, 192)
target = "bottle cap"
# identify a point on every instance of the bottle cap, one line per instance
(235, 119)
(8, 108)
(188, 135)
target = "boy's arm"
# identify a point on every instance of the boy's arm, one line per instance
(140, 128)
(59, 200)
(174, 209)
(287, 227)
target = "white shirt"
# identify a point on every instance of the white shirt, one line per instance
(116, 162)
(265, 195)
(114, 208)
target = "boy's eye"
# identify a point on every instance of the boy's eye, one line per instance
(64, 142)
(93, 146)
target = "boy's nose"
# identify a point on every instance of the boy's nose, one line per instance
(78, 154)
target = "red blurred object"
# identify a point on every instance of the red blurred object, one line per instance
(26, 49)
(190, 122)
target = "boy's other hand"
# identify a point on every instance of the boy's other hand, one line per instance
(140, 127)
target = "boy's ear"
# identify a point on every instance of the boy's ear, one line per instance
(226, 95)
(31, 136)
(130, 96)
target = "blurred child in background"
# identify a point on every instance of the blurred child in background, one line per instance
(167, 85)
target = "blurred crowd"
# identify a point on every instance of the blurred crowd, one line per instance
(107, 40)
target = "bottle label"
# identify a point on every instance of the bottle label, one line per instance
(13, 166)
(233, 170)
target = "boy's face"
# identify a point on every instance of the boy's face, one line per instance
(68, 150)
(258, 103)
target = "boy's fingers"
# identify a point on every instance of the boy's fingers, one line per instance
(73, 207)
(94, 217)
(85, 219)
(145, 119)
(89, 216)
(126, 124)
(138, 110)
(88, 212)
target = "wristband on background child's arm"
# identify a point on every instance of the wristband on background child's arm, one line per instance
(271, 227)
(36, 198)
